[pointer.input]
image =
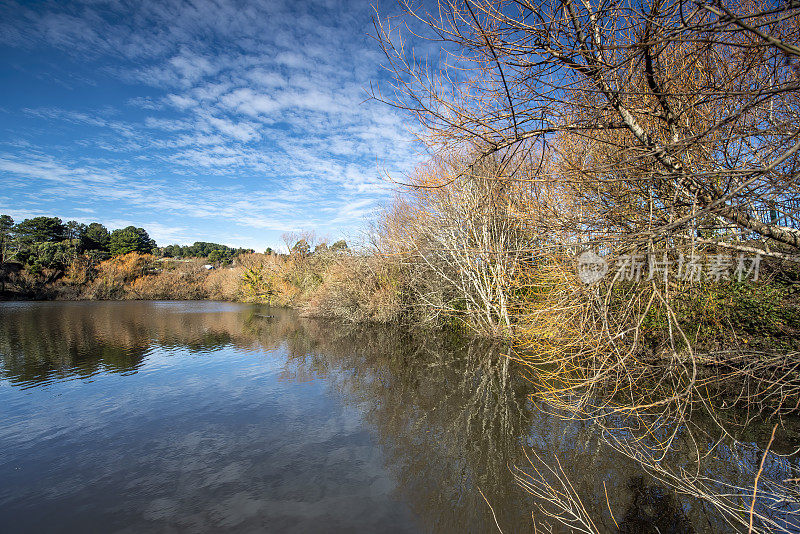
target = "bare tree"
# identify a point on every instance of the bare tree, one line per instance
(690, 107)
(630, 123)
(462, 238)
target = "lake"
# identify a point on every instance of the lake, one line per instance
(209, 416)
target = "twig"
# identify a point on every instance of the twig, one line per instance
(758, 475)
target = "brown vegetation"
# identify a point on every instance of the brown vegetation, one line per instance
(627, 128)
(328, 283)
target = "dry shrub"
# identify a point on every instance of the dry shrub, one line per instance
(223, 284)
(181, 284)
(285, 281)
(358, 288)
(79, 272)
(136, 276)
(293, 280)
(550, 309)
(115, 275)
(284, 293)
(329, 284)
(640, 360)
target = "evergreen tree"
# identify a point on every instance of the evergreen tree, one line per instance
(301, 248)
(130, 239)
(6, 225)
(339, 246)
(40, 230)
(96, 237)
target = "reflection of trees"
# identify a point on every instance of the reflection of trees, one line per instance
(605, 463)
(38, 342)
(450, 415)
(454, 417)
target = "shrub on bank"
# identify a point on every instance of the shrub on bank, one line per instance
(358, 288)
(328, 284)
(223, 284)
(113, 278)
(723, 314)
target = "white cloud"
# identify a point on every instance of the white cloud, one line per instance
(252, 114)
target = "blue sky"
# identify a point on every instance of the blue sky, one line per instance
(210, 120)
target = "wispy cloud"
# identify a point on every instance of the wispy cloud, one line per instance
(188, 208)
(248, 119)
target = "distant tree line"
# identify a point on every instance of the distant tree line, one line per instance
(49, 243)
(303, 247)
(214, 252)
(306, 243)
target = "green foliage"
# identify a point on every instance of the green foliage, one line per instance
(130, 239)
(54, 255)
(714, 313)
(95, 237)
(301, 248)
(74, 255)
(74, 230)
(35, 269)
(46, 255)
(759, 309)
(40, 230)
(215, 252)
(6, 225)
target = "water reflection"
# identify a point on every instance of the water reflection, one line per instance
(450, 416)
(234, 417)
(44, 341)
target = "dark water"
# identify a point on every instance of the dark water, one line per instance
(202, 416)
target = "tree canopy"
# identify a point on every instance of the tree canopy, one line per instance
(215, 252)
(47, 242)
(95, 237)
(339, 246)
(40, 230)
(301, 248)
(130, 239)
(6, 225)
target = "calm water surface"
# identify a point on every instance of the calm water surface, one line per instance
(203, 416)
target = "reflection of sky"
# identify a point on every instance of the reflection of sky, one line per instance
(194, 441)
(192, 423)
